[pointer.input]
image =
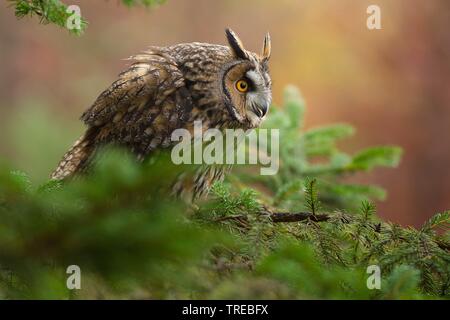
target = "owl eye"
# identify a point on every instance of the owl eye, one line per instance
(242, 86)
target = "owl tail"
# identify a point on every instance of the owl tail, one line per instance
(78, 156)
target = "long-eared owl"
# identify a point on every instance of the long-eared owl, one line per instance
(166, 88)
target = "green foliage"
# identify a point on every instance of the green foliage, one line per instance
(311, 200)
(380, 156)
(48, 11)
(402, 283)
(56, 12)
(314, 153)
(296, 265)
(438, 221)
(132, 240)
(117, 224)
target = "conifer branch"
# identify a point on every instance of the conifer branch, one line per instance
(56, 11)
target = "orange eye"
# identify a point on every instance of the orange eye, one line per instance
(242, 86)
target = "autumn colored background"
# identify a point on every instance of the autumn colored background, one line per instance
(392, 84)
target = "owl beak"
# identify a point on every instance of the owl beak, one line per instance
(261, 109)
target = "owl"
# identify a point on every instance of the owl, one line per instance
(167, 88)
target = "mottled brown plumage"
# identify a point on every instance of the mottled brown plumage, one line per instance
(166, 88)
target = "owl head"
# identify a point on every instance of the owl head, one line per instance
(246, 83)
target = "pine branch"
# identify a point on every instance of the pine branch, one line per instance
(49, 11)
(367, 210)
(311, 194)
(438, 221)
(58, 13)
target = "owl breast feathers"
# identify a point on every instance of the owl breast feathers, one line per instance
(166, 88)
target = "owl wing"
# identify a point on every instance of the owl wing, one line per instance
(143, 106)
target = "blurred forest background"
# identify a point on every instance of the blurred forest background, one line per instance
(391, 84)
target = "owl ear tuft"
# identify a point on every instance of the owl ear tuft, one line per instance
(267, 48)
(236, 44)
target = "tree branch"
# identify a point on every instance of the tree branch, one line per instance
(298, 216)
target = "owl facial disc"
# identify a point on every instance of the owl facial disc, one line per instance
(247, 83)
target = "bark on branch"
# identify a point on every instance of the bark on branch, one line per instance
(298, 216)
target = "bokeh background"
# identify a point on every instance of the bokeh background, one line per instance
(392, 84)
